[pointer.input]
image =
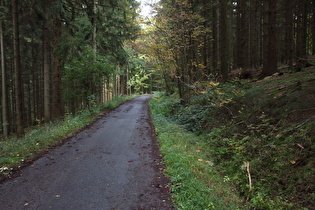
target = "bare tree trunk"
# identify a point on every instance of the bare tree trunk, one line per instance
(123, 83)
(254, 33)
(127, 75)
(94, 29)
(5, 122)
(57, 109)
(288, 32)
(242, 35)
(114, 84)
(215, 37)
(301, 30)
(17, 71)
(313, 30)
(47, 113)
(34, 78)
(269, 38)
(206, 38)
(224, 42)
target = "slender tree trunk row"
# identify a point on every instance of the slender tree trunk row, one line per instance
(4, 102)
(45, 57)
(245, 35)
(17, 71)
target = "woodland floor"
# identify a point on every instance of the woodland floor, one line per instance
(114, 164)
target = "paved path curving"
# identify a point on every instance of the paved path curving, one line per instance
(114, 164)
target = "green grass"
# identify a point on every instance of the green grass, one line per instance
(15, 153)
(195, 182)
(267, 123)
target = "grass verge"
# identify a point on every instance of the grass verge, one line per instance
(195, 183)
(259, 135)
(16, 153)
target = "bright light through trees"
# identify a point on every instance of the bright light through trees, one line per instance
(146, 8)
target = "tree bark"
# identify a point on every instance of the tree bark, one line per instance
(57, 110)
(301, 30)
(46, 57)
(269, 38)
(94, 29)
(5, 122)
(224, 42)
(313, 30)
(242, 35)
(254, 33)
(215, 39)
(17, 71)
(288, 33)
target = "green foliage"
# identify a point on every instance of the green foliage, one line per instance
(264, 129)
(3, 11)
(84, 75)
(194, 182)
(139, 74)
(82, 30)
(138, 81)
(165, 105)
(216, 98)
(139, 77)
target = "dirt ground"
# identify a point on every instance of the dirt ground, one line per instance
(113, 164)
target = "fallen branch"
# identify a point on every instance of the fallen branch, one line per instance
(229, 110)
(249, 178)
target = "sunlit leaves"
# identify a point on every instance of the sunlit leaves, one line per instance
(177, 39)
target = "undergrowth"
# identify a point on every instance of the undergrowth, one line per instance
(15, 153)
(259, 135)
(195, 184)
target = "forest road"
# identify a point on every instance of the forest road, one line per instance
(113, 164)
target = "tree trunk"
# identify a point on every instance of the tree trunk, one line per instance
(204, 49)
(224, 42)
(35, 86)
(46, 56)
(301, 30)
(17, 71)
(242, 35)
(269, 38)
(215, 39)
(288, 33)
(57, 109)
(254, 33)
(313, 30)
(5, 122)
(94, 29)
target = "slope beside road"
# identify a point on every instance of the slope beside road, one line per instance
(114, 164)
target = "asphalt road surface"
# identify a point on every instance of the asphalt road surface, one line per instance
(113, 164)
